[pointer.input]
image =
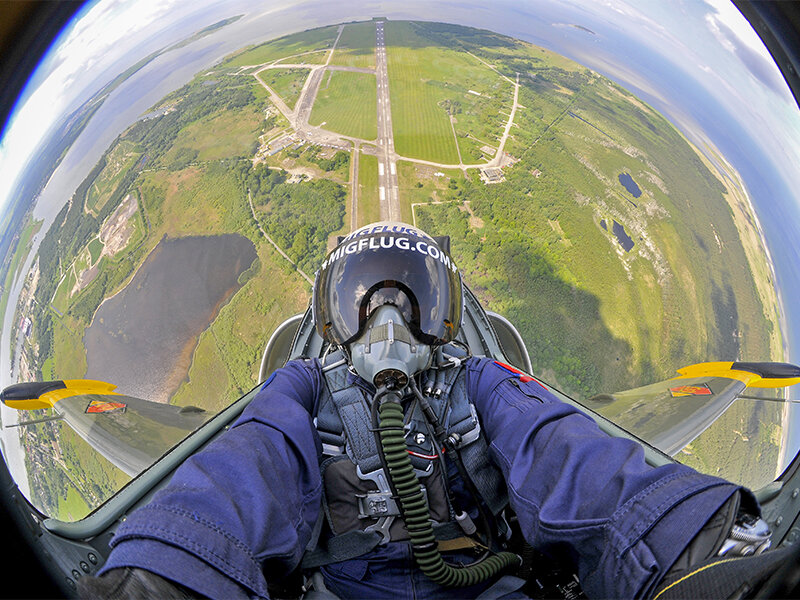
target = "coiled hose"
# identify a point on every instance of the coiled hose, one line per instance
(415, 509)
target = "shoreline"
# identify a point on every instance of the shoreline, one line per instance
(738, 198)
(782, 325)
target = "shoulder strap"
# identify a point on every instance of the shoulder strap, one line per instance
(344, 418)
(459, 416)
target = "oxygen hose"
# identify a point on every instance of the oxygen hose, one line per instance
(415, 509)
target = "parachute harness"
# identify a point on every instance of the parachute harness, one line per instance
(413, 506)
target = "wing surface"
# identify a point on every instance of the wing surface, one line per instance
(671, 413)
(130, 432)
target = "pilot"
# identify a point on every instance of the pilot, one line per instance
(400, 466)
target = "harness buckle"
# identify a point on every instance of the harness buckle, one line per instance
(374, 505)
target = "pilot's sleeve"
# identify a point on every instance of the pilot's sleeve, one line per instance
(578, 491)
(243, 506)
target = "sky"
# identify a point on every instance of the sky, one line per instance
(709, 39)
(104, 33)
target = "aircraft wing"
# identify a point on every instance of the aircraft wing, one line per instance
(670, 414)
(130, 432)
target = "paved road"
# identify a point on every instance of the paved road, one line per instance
(387, 158)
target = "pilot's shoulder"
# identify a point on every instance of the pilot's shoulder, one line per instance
(486, 373)
(297, 373)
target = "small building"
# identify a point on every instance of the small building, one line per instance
(492, 175)
(27, 326)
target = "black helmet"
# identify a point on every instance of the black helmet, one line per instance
(388, 263)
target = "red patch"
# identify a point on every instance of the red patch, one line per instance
(523, 377)
(690, 390)
(100, 406)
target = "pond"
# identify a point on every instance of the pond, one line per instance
(152, 326)
(622, 236)
(629, 184)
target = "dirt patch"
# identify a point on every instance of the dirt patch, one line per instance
(117, 230)
(475, 222)
(115, 234)
(85, 278)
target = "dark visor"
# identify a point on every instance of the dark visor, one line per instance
(404, 270)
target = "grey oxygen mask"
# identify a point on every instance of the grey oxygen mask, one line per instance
(386, 353)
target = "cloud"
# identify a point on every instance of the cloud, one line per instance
(736, 35)
(96, 39)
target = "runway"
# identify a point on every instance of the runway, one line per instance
(387, 165)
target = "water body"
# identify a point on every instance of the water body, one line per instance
(143, 338)
(629, 184)
(622, 236)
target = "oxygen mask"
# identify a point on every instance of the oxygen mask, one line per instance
(386, 353)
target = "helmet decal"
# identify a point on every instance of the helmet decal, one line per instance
(386, 242)
(394, 264)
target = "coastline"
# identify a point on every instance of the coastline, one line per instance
(780, 314)
(761, 264)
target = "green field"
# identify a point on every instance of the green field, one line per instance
(430, 84)
(118, 162)
(19, 253)
(368, 201)
(287, 83)
(347, 103)
(356, 46)
(306, 46)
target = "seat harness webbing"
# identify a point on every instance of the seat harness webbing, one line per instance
(344, 425)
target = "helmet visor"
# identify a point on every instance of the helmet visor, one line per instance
(404, 270)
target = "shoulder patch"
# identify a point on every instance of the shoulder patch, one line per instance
(523, 377)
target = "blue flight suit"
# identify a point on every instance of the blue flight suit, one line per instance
(245, 507)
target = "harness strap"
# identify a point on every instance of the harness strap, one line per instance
(341, 547)
(355, 543)
(459, 416)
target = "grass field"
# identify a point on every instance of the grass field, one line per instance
(429, 83)
(287, 83)
(122, 158)
(62, 298)
(347, 103)
(297, 45)
(421, 185)
(95, 248)
(356, 46)
(229, 133)
(368, 200)
(30, 228)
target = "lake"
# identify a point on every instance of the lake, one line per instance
(622, 236)
(142, 339)
(629, 184)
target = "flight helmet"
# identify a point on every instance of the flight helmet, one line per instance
(388, 294)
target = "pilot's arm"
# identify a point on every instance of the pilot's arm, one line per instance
(246, 503)
(577, 490)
